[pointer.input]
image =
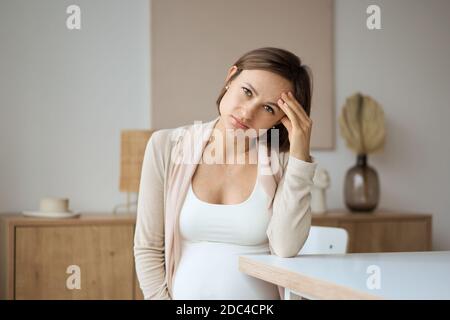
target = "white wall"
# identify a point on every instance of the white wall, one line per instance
(406, 67)
(64, 97)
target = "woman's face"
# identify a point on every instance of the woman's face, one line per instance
(252, 99)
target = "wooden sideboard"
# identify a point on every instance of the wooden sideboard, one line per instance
(381, 230)
(35, 253)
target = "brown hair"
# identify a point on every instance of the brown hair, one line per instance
(285, 64)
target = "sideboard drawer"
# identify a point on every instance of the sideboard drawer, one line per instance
(381, 231)
(102, 254)
(89, 257)
(391, 236)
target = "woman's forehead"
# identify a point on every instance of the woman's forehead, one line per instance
(265, 81)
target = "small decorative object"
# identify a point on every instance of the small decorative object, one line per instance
(132, 150)
(362, 126)
(321, 182)
(51, 207)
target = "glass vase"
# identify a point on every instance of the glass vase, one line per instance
(362, 187)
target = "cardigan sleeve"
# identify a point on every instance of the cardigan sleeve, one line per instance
(291, 212)
(149, 233)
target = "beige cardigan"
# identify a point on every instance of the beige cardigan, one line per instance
(169, 163)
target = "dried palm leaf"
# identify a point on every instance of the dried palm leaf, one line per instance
(362, 124)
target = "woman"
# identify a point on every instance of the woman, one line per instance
(195, 217)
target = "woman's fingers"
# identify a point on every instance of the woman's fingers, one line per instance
(289, 98)
(285, 121)
(304, 121)
(289, 113)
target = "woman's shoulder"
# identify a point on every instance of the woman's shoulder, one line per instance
(161, 137)
(162, 141)
(169, 137)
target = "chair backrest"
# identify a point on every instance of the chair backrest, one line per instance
(324, 240)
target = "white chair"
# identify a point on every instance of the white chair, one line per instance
(321, 240)
(325, 240)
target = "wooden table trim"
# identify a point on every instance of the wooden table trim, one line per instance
(306, 286)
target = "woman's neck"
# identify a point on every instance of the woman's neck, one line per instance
(232, 146)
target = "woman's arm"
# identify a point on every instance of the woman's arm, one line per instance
(291, 217)
(149, 233)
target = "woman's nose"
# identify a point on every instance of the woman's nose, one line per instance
(249, 110)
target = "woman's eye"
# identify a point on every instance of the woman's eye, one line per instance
(247, 92)
(269, 109)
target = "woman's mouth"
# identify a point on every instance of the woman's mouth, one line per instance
(237, 124)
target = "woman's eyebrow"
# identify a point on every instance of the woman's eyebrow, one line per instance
(256, 92)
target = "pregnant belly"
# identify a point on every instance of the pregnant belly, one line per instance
(209, 270)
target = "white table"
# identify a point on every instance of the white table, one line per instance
(405, 275)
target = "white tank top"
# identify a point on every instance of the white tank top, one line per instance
(213, 236)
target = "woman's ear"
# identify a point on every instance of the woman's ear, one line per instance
(231, 72)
